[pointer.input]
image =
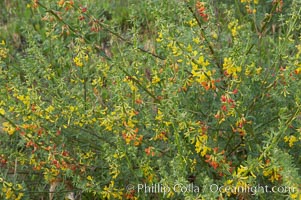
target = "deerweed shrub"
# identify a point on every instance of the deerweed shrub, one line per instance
(151, 99)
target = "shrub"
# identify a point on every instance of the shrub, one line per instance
(181, 99)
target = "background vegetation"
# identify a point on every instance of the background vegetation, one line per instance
(97, 96)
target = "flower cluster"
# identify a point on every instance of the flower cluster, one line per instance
(202, 74)
(249, 1)
(66, 4)
(234, 28)
(11, 191)
(291, 140)
(128, 137)
(8, 127)
(198, 97)
(110, 192)
(200, 6)
(230, 69)
(227, 103)
(3, 50)
(78, 60)
(273, 172)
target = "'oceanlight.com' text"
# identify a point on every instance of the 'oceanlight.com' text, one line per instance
(192, 188)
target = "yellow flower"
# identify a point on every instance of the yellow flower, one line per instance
(9, 193)
(3, 52)
(241, 170)
(111, 191)
(49, 109)
(294, 195)
(89, 178)
(233, 27)
(189, 48)
(267, 172)
(20, 195)
(200, 145)
(160, 37)
(291, 140)
(248, 71)
(159, 116)
(192, 22)
(7, 127)
(2, 111)
(258, 70)
(155, 79)
(196, 40)
(214, 35)
(78, 61)
(230, 68)
(201, 61)
(273, 173)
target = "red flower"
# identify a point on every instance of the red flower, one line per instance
(201, 10)
(83, 9)
(214, 164)
(223, 98)
(224, 108)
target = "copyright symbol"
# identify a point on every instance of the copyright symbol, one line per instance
(130, 187)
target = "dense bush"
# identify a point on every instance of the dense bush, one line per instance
(150, 99)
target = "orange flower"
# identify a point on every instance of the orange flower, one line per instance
(200, 6)
(61, 3)
(35, 3)
(149, 151)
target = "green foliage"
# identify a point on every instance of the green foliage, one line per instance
(117, 99)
